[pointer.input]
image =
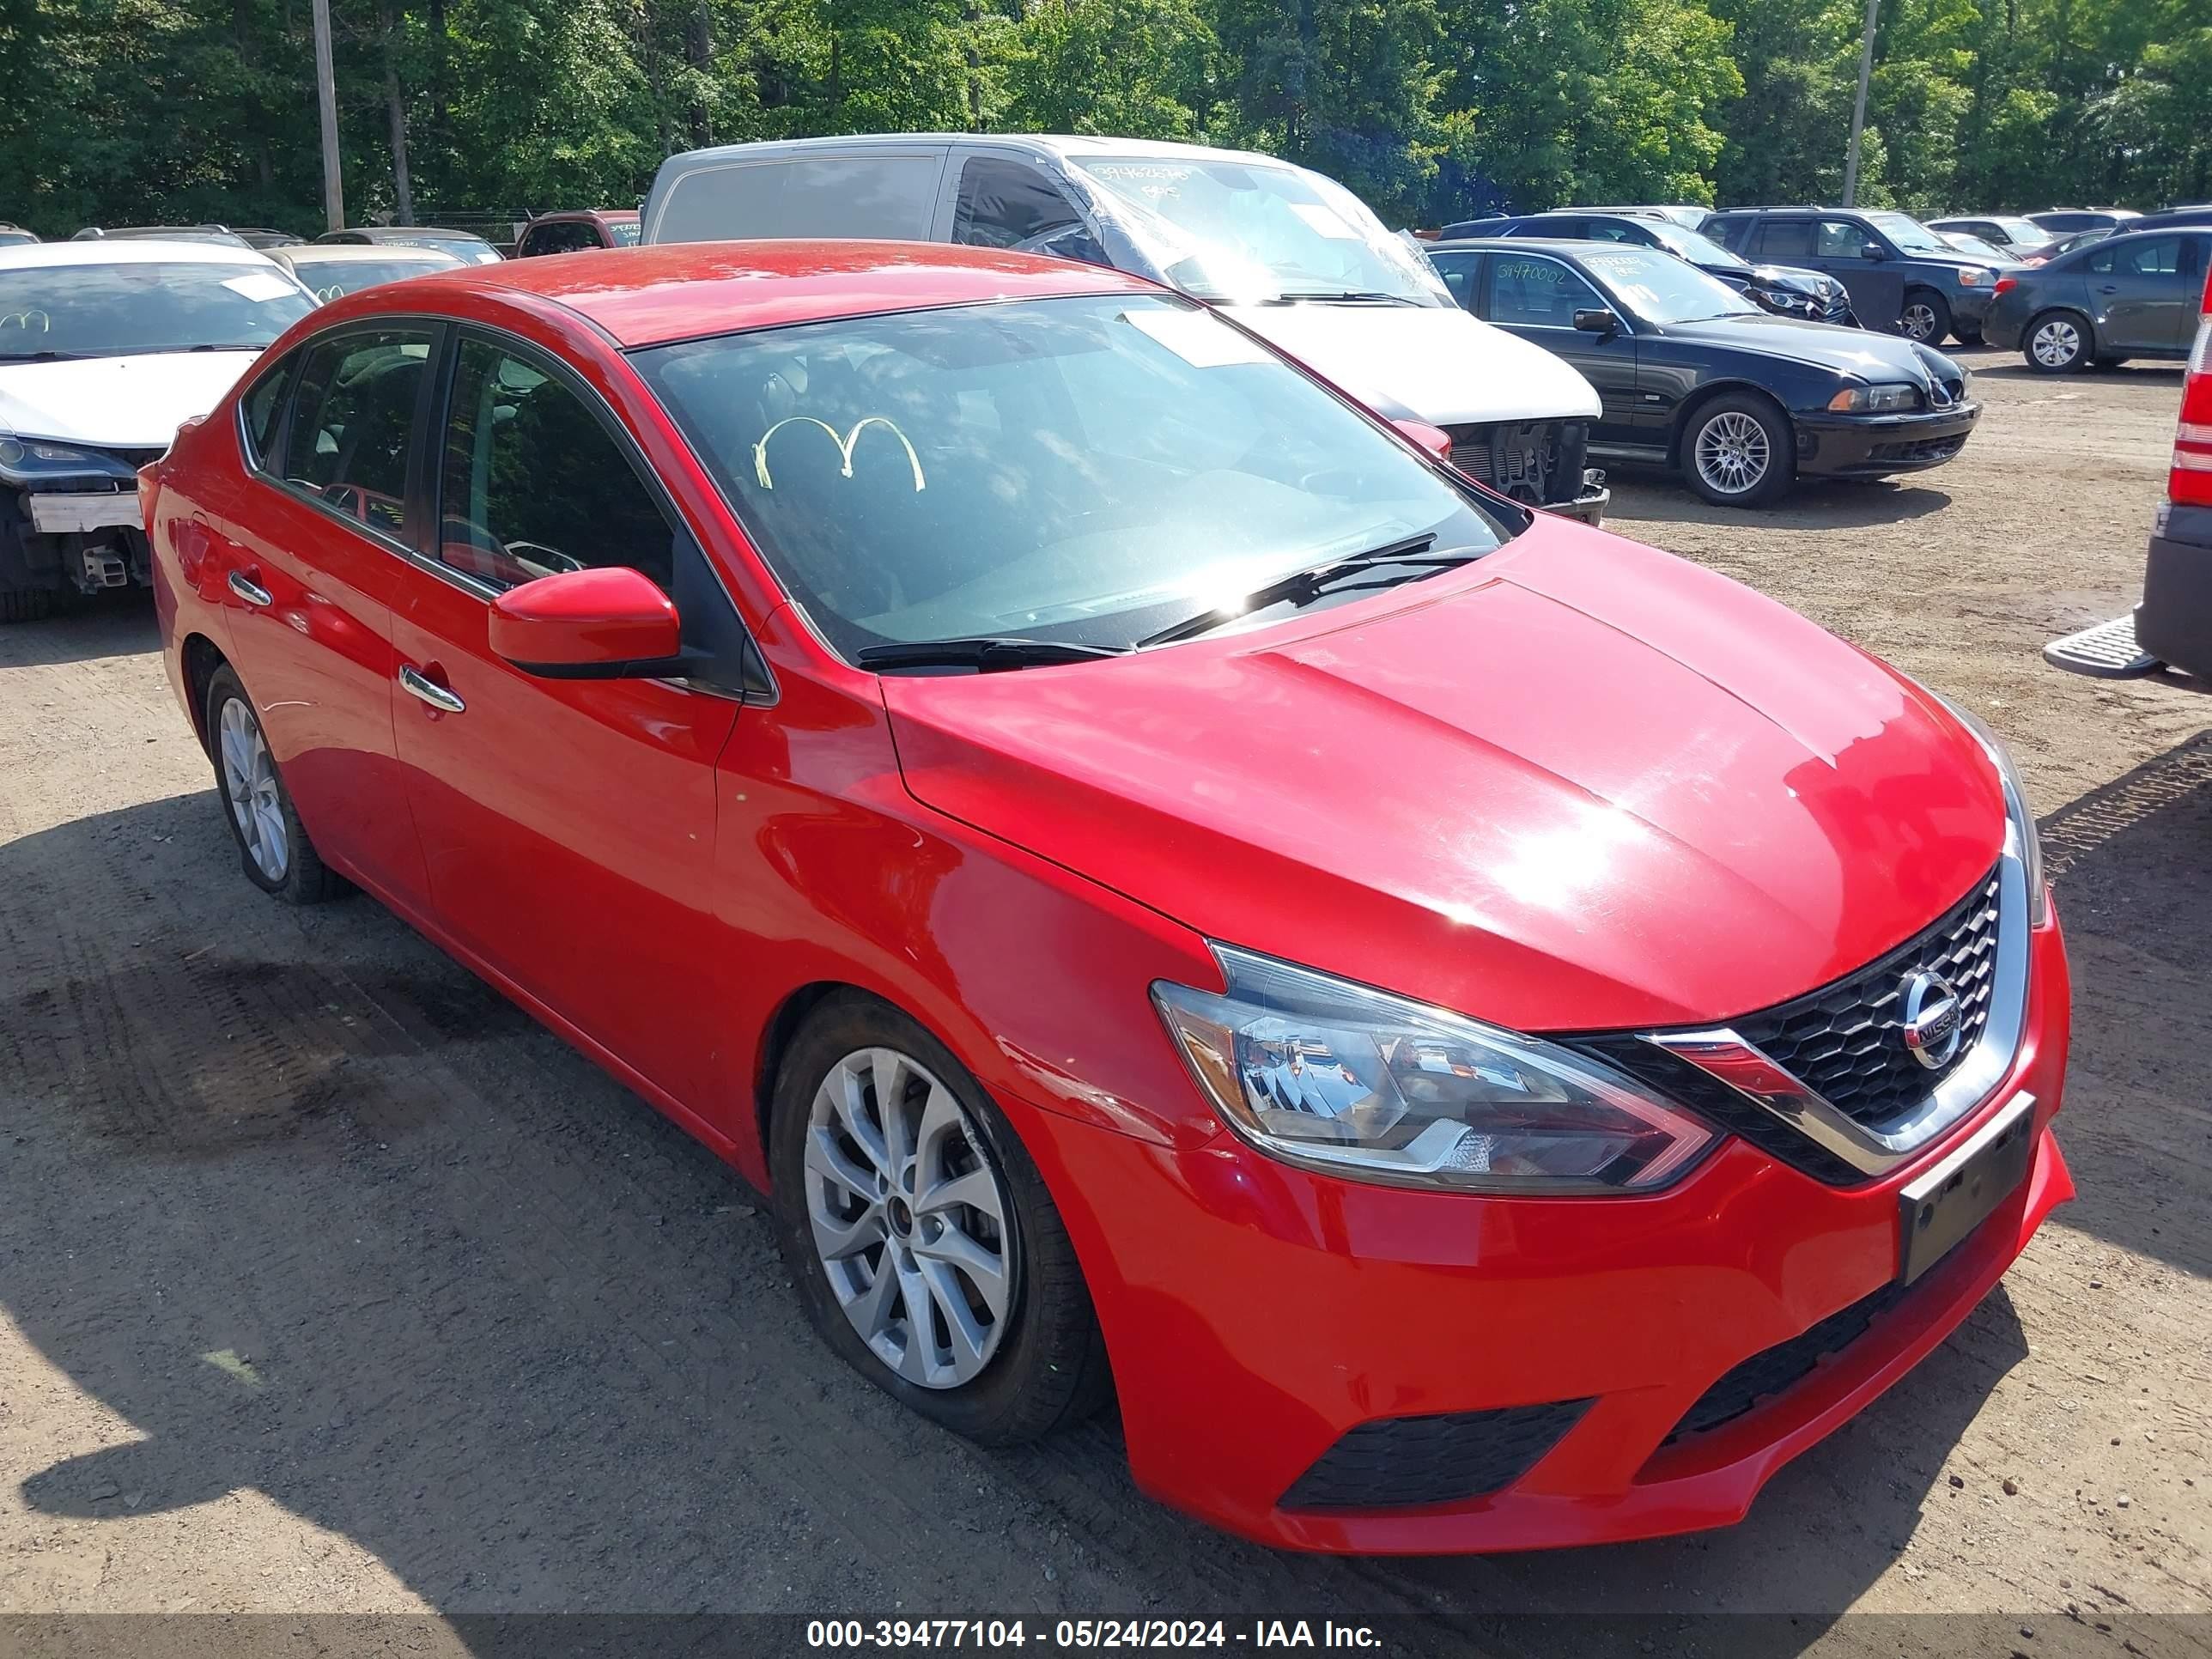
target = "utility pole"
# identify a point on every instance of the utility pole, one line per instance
(326, 95)
(1858, 109)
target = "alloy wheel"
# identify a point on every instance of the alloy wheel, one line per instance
(249, 783)
(2055, 343)
(909, 1218)
(1732, 452)
(1919, 320)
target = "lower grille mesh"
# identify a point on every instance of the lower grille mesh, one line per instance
(1398, 1462)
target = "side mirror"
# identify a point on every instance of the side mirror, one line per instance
(606, 623)
(1597, 322)
(1428, 440)
(1873, 250)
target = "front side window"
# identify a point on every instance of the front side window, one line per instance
(1008, 204)
(1534, 292)
(353, 421)
(532, 483)
(63, 311)
(1084, 471)
(1255, 232)
(1841, 238)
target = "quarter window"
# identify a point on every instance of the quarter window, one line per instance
(531, 483)
(353, 421)
(1539, 294)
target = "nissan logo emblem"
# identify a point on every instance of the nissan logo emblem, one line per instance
(1934, 1024)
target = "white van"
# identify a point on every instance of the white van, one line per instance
(1292, 255)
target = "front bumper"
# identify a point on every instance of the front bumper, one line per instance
(1877, 446)
(1256, 1313)
(1590, 505)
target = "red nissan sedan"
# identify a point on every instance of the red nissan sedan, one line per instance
(1479, 1034)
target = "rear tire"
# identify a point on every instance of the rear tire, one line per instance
(853, 1202)
(1926, 316)
(2058, 343)
(1966, 333)
(1739, 451)
(273, 845)
(26, 605)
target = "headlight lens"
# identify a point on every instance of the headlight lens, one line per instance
(1975, 277)
(2016, 810)
(1876, 399)
(26, 461)
(1334, 1076)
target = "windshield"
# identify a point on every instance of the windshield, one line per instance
(2022, 230)
(1661, 289)
(1975, 248)
(1698, 249)
(332, 278)
(624, 233)
(110, 311)
(1251, 233)
(1084, 471)
(1910, 235)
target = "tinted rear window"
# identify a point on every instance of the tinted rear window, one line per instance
(886, 196)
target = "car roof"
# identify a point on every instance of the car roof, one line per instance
(383, 253)
(1065, 145)
(682, 290)
(132, 251)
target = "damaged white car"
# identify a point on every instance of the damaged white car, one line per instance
(106, 348)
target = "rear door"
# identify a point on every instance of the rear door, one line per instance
(567, 826)
(310, 563)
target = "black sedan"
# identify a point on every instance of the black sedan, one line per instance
(2133, 295)
(1786, 290)
(1691, 375)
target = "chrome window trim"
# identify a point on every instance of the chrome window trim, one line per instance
(1970, 1083)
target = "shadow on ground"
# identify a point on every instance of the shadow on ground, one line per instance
(84, 630)
(1812, 505)
(323, 1217)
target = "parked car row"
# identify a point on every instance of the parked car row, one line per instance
(1121, 842)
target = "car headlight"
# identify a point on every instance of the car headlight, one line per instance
(29, 461)
(2016, 810)
(1975, 277)
(1876, 399)
(1338, 1077)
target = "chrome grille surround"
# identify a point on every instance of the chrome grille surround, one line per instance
(1873, 1148)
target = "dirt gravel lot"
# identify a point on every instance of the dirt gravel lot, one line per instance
(331, 1285)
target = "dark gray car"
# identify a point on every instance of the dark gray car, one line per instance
(2133, 295)
(1896, 269)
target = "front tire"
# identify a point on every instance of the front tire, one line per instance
(2058, 343)
(1926, 316)
(1739, 451)
(273, 846)
(26, 605)
(926, 1251)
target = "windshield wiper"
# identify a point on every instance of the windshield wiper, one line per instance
(984, 655)
(1370, 296)
(1301, 586)
(40, 356)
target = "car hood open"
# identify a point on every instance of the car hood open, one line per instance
(1579, 785)
(1436, 361)
(135, 402)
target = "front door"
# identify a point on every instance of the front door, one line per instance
(1536, 296)
(567, 825)
(2142, 295)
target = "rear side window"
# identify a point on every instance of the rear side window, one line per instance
(1784, 240)
(1006, 203)
(264, 406)
(888, 196)
(2154, 256)
(532, 483)
(353, 422)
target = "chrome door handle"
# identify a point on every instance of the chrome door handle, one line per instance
(428, 690)
(247, 589)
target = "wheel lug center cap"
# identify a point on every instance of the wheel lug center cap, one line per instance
(902, 1217)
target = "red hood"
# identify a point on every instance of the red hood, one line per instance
(1581, 784)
